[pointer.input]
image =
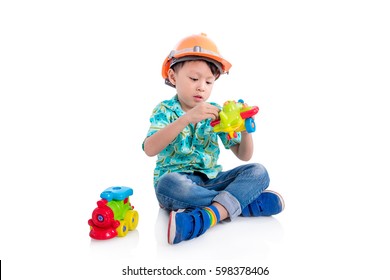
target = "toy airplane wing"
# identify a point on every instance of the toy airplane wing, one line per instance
(249, 113)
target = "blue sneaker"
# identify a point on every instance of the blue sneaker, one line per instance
(268, 203)
(187, 224)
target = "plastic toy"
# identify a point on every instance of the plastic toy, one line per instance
(114, 216)
(235, 117)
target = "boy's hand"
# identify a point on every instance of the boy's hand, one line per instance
(201, 112)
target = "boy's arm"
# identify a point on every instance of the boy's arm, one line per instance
(155, 143)
(244, 150)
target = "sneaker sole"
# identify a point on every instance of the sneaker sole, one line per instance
(172, 226)
(280, 197)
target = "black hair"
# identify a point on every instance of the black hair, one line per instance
(214, 69)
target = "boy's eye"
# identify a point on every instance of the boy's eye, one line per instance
(196, 79)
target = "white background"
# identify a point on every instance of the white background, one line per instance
(78, 82)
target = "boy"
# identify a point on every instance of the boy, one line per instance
(188, 180)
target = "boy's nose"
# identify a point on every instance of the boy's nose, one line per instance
(201, 86)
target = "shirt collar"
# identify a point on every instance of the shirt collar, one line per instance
(174, 105)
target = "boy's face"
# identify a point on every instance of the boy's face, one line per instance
(194, 82)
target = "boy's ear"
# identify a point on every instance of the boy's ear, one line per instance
(172, 77)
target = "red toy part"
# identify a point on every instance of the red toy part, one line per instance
(102, 233)
(245, 115)
(250, 113)
(215, 122)
(103, 225)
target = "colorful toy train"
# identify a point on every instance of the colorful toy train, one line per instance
(114, 214)
(235, 117)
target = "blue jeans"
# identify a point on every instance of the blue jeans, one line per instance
(233, 189)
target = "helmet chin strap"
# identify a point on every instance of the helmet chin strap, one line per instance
(168, 83)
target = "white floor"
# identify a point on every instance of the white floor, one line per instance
(79, 80)
(243, 239)
(244, 242)
(312, 238)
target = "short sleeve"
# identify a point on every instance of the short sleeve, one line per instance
(158, 120)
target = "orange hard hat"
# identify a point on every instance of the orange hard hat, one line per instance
(195, 47)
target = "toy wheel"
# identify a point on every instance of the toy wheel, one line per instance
(250, 125)
(123, 228)
(131, 219)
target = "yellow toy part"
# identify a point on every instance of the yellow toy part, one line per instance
(132, 219)
(123, 228)
(235, 117)
(129, 223)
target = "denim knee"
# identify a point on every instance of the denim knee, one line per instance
(261, 181)
(260, 172)
(166, 190)
(180, 190)
(167, 183)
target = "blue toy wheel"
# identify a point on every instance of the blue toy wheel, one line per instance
(250, 125)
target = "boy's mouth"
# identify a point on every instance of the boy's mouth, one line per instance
(198, 98)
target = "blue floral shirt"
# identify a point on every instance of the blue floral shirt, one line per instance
(194, 149)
